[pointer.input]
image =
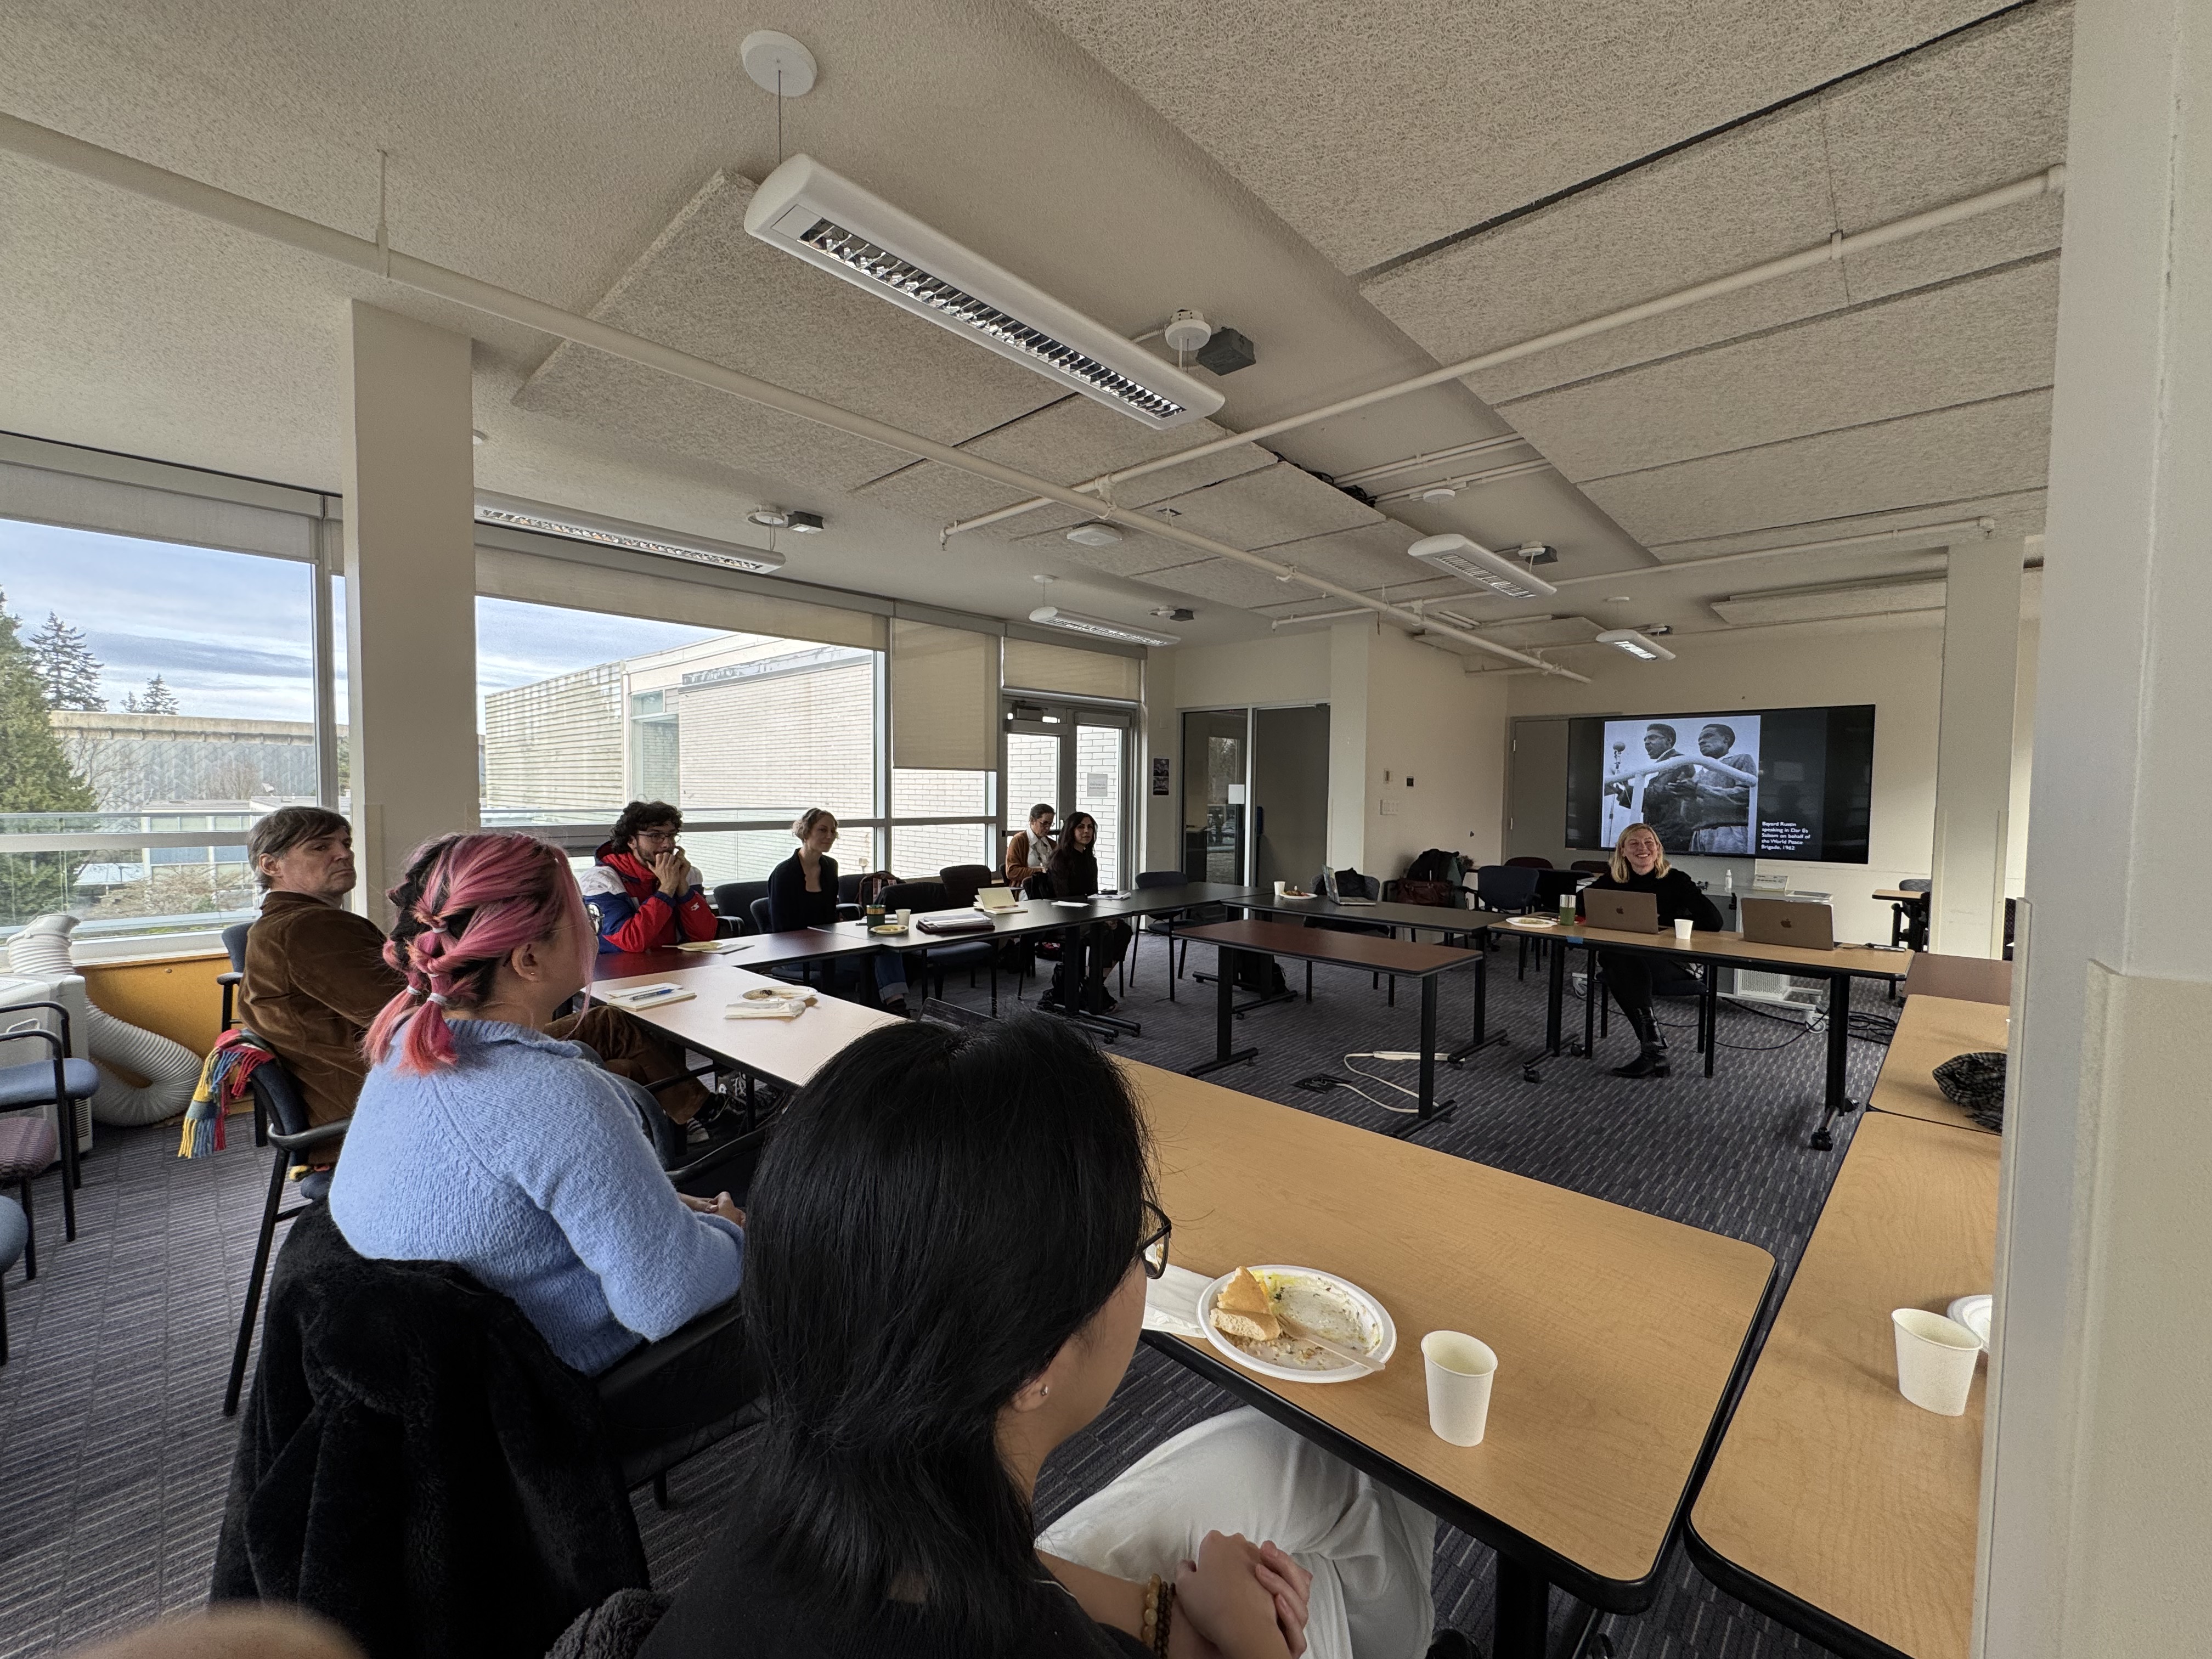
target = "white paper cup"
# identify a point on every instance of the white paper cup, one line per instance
(1935, 1360)
(1278, 888)
(1459, 1371)
(1683, 928)
(904, 917)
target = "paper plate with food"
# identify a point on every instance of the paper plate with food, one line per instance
(1297, 1324)
(1535, 924)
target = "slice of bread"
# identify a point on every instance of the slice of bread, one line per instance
(1244, 1309)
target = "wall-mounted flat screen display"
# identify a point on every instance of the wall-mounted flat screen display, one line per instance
(1768, 783)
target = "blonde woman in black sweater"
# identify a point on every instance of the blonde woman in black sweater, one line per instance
(1639, 866)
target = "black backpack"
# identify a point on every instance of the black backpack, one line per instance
(1435, 864)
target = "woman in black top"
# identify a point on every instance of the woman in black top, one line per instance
(802, 892)
(945, 1276)
(1073, 871)
(1639, 866)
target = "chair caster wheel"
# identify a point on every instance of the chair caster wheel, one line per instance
(1530, 1074)
(1823, 1141)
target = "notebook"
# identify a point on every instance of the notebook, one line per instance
(997, 898)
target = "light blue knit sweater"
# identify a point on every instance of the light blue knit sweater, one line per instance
(525, 1164)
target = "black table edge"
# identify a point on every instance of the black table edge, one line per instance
(1778, 1604)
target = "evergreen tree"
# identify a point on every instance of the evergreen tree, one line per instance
(66, 666)
(34, 774)
(158, 699)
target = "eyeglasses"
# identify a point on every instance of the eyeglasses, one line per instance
(1152, 1248)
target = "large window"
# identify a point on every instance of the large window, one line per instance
(581, 711)
(155, 699)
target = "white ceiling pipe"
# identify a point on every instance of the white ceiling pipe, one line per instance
(1982, 528)
(1839, 247)
(1466, 481)
(379, 257)
(1433, 457)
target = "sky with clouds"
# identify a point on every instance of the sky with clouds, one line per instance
(230, 633)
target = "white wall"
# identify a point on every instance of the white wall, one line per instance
(1430, 720)
(1894, 663)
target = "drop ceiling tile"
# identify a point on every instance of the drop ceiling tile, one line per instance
(1225, 581)
(705, 287)
(2018, 512)
(1945, 456)
(1326, 112)
(1371, 557)
(1751, 195)
(1279, 503)
(1137, 556)
(1973, 339)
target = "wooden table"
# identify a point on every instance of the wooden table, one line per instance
(1369, 950)
(1962, 979)
(1931, 1030)
(1834, 1504)
(1838, 967)
(783, 1051)
(1619, 1335)
(1442, 919)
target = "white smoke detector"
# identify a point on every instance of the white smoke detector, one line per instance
(1187, 331)
(1094, 535)
(777, 63)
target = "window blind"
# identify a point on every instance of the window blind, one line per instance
(540, 579)
(944, 698)
(1032, 666)
(42, 496)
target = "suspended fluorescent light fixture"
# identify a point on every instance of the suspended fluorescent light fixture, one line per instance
(611, 532)
(1471, 561)
(1075, 622)
(1641, 646)
(807, 211)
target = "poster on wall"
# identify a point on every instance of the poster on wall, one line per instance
(1694, 778)
(1159, 775)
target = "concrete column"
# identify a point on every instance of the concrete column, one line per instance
(2097, 1509)
(411, 592)
(1973, 748)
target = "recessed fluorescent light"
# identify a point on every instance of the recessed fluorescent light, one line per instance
(611, 532)
(807, 211)
(1473, 562)
(1075, 622)
(1641, 646)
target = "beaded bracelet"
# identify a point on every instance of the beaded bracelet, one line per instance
(1167, 1620)
(1151, 1619)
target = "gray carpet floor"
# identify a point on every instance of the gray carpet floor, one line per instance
(114, 1455)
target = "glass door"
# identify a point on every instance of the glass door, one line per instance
(1077, 759)
(1216, 757)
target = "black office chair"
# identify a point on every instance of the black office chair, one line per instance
(964, 881)
(233, 940)
(734, 902)
(28, 1144)
(1908, 920)
(1528, 863)
(1163, 922)
(278, 1098)
(14, 1241)
(1510, 889)
(924, 897)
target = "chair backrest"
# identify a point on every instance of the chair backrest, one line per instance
(1590, 866)
(1530, 863)
(964, 881)
(760, 914)
(848, 887)
(1916, 885)
(734, 899)
(916, 896)
(1505, 886)
(281, 1103)
(233, 940)
(1161, 878)
(1037, 886)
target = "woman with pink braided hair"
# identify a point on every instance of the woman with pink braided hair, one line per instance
(482, 1140)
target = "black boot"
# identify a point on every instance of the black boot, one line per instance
(1651, 1056)
(1453, 1644)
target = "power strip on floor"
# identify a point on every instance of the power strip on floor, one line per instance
(1397, 1054)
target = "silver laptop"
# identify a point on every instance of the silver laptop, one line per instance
(1329, 891)
(997, 898)
(1620, 909)
(1789, 921)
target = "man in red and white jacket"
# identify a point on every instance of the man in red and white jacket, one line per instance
(641, 889)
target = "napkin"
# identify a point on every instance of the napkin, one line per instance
(777, 1010)
(1171, 1302)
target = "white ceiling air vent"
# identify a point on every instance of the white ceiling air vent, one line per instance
(611, 532)
(1471, 561)
(805, 210)
(1052, 616)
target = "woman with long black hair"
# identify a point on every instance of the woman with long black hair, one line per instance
(1073, 872)
(945, 1280)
